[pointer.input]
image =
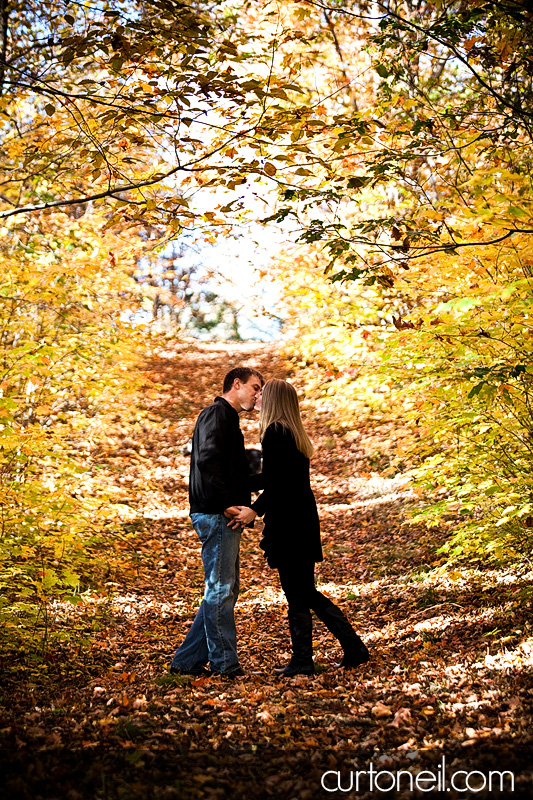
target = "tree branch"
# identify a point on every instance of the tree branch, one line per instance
(110, 191)
(340, 54)
(521, 112)
(446, 248)
(4, 19)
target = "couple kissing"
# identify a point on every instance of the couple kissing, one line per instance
(220, 496)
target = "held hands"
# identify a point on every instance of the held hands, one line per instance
(231, 513)
(245, 515)
(239, 516)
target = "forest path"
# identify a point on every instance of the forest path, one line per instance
(451, 660)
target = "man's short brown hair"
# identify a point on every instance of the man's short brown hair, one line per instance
(243, 374)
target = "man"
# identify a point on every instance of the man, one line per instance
(219, 487)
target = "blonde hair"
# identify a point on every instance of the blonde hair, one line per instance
(280, 404)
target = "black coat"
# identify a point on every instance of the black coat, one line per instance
(219, 476)
(292, 528)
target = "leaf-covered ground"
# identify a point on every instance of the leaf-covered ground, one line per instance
(450, 675)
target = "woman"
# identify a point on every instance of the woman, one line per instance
(291, 536)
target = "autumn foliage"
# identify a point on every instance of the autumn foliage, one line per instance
(420, 193)
(67, 353)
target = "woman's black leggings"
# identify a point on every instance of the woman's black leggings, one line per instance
(298, 583)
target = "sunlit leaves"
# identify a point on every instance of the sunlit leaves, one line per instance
(117, 83)
(67, 350)
(437, 210)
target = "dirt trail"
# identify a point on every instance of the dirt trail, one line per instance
(450, 674)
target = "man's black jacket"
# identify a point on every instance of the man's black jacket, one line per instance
(219, 475)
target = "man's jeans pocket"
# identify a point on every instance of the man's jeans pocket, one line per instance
(205, 525)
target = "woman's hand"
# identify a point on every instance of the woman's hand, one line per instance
(245, 515)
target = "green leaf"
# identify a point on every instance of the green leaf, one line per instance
(515, 211)
(476, 390)
(357, 181)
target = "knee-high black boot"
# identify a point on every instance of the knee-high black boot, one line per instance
(301, 629)
(355, 651)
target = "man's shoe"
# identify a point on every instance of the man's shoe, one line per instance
(198, 672)
(238, 672)
(235, 673)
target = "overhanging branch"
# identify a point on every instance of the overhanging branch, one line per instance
(87, 198)
(113, 190)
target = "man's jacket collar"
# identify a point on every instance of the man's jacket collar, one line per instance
(225, 402)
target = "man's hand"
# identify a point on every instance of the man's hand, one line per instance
(231, 513)
(245, 515)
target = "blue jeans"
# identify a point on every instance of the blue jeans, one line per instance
(212, 636)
